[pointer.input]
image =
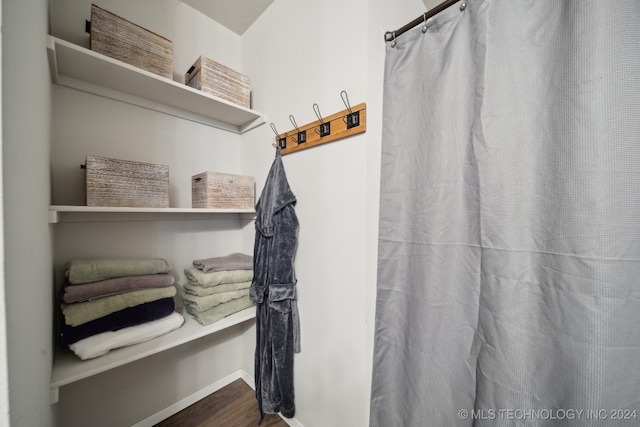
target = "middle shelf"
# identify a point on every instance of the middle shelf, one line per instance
(65, 213)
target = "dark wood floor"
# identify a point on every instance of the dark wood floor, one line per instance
(232, 406)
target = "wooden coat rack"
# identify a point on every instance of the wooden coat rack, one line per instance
(340, 125)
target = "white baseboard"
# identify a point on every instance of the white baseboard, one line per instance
(189, 400)
(211, 388)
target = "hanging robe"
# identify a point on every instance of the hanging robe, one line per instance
(274, 291)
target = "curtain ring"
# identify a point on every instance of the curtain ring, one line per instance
(393, 39)
(425, 28)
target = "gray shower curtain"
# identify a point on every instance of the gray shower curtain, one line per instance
(509, 247)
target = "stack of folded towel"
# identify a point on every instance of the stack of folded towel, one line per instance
(217, 287)
(112, 303)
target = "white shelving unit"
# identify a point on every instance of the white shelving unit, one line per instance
(68, 368)
(80, 68)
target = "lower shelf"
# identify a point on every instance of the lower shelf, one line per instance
(68, 368)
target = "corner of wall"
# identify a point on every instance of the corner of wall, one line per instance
(27, 238)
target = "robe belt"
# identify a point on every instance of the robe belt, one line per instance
(277, 292)
(281, 292)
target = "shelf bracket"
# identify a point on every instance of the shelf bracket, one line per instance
(54, 395)
(54, 217)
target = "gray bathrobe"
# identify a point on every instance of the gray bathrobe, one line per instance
(274, 291)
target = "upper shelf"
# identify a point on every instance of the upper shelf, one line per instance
(80, 68)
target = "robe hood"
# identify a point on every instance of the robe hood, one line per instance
(276, 195)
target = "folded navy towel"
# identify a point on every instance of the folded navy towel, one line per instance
(129, 316)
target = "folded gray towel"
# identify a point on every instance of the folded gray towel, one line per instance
(103, 288)
(235, 261)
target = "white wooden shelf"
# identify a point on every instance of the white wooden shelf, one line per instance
(80, 68)
(62, 213)
(68, 368)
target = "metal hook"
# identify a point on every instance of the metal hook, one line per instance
(325, 127)
(295, 125)
(316, 110)
(353, 118)
(393, 39)
(345, 100)
(293, 122)
(273, 128)
(302, 134)
(425, 28)
(281, 141)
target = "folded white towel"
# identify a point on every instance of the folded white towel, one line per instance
(102, 343)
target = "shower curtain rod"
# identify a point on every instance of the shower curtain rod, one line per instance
(390, 35)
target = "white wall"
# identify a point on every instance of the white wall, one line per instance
(27, 245)
(298, 53)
